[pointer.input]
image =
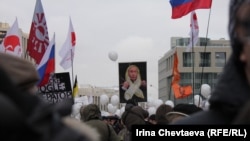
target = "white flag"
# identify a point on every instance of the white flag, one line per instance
(68, 49)
(194, 33)
(12, 42)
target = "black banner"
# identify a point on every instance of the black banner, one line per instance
(58, 89)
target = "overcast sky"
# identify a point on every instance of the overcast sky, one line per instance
(138, 30)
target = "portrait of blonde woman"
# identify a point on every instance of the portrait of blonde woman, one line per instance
(133, 84)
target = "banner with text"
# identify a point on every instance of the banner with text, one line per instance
(58, 89)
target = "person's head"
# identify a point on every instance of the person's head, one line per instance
(151, 119)
(90, 112)
(160, 113)
(134, 115)
(132, 102)
(239, 32)
(133, 72)
(182, 110)
(21, 72)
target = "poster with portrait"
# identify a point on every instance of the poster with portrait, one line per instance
(133, 81)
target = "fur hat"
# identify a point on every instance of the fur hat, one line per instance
(21, 72)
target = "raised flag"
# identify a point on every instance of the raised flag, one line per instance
(68, 49)
(179, 91)
(194, 32)
(38, 38)
(47, 66)
(75, 87)
(181, 8)
(176, 74)
(12, 42)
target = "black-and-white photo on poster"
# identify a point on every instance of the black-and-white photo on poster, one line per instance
(58, 89)
(133, 81)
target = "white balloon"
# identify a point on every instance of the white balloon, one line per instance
(198, 100)
(150, 102)
(122, 109)
(207, 104)
(118, 113)
(76, 109)
(157, 103)
(205, 90)
(170, 103)
(85, 100)
(151, 110)
(104, 99)
(105, 114)
(114, 100)
(113, 55)
(111, 108)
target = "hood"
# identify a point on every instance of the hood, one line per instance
(90, 112)
(236, 44)
(232, 90)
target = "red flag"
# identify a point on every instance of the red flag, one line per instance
(179, 91)
(194, 32)
(38, 37)
(12, 42)
(68, 49)
(183, 7)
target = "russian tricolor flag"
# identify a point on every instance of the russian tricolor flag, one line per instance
(47, 65)
(183, 7)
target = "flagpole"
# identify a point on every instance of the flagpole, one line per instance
(192, 46)
(72, 67)
(193, 61)
(205, 50)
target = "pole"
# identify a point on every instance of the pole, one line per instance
(205, 50)
(193, 65)
(72, 68)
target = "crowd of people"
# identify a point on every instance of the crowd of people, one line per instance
(25, 116)
(113, 127)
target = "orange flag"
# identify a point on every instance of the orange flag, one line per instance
(176, 74)
(179, 91)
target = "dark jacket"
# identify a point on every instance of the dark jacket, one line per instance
(91, 115)
(133, 115)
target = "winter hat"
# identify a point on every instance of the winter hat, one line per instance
(89, 112)
(21, 72)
